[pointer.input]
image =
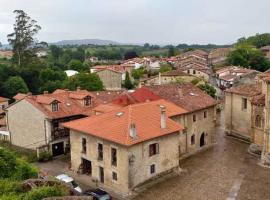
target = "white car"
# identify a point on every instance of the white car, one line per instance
(70, 181)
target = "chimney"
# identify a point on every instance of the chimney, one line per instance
(132, 131)
(163, 123)
(45, 92)
(180, 92)
(78, 88)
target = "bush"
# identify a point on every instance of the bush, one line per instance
(195, 81)
(44, 192)
(45, 156)
(10, 187)
(15, 168)
(25, 171)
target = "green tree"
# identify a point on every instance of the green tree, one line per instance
(14, 85)
(210, 90)
(171, 51)
(22, 39)
(86, 81)
(165, 68)
(7, 164)
(137, 73)
(248, 56)
(128, 84)
(76, 65)
(56, 51)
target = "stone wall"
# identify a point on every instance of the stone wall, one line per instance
(26, 125)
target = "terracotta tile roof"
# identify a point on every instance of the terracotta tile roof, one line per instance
(228, 77)
(67, 106)
(184, 95)
(267, 48)
(19, 96)
(144, 95)
(104, 108)
(3, 99)
(104, 97)
(115, 68)
(124, 99)
(246, 89)
(115, 126)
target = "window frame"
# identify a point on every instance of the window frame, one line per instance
(244, 104)
(100, 151)
(113, 157)
(55, 106)
(152, 169)
(153, 149)
(193, 139)
(87, 101)
(84, 145)
(114, 176)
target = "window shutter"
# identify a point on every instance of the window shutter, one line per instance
(157, 148)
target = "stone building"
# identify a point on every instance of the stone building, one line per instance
(266, 51)
(129, 147)
(199, 119)
(218, 56)
(247, 115)
(234, 75)
(173, 76)
(112, 79)
(33, 120)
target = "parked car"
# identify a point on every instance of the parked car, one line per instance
(70, 181)
(98, 194)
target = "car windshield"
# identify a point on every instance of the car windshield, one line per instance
(74, 184)
(105, 197)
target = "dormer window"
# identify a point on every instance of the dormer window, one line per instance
(87, 101)
(55, 106)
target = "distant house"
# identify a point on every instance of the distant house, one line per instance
(196, 69)
(218, 56)
(266, 51)
(167, 77)
(70, 73)
(234, 75)
(42, 53)
(196, 56)
(4, 102)
(111, 78)
(6, 54)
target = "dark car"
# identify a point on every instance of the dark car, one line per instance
(98, 194)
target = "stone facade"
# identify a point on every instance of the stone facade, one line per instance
(112, 80)
(199, 129)
(133, 163)
(238, 107)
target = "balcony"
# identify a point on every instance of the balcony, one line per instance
(60, 133)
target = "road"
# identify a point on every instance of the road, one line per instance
(224, 172)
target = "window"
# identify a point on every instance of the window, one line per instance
(192, 139)
(153, 149)
(194, 118)
(258, 121)
(55, 106)
(205, 114)
(244, 103)
(114, 156)
(3, 107)
(188, 71)
(152, 169)
(83, 145)
(114, 176)
(100, 151)
(194, 72)
(101, 174)
(87, 101)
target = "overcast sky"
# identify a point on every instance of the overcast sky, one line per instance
(140, 21)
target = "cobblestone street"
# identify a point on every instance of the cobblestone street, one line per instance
(224, 172)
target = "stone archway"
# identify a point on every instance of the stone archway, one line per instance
(202, 140)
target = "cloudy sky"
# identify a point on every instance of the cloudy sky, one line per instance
(140, 21)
